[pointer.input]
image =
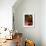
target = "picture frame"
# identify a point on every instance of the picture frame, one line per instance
(28, 20)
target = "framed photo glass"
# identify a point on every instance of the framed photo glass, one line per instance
(28, 20)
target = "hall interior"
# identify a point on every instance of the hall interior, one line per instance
(12, 14)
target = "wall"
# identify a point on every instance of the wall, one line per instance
(43, 22)
(28, 6)
(6, 13)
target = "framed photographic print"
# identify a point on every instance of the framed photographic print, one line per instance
(28, 20)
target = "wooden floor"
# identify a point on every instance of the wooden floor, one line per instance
(9, 43)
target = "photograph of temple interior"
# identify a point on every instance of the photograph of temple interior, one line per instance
(22, 22)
